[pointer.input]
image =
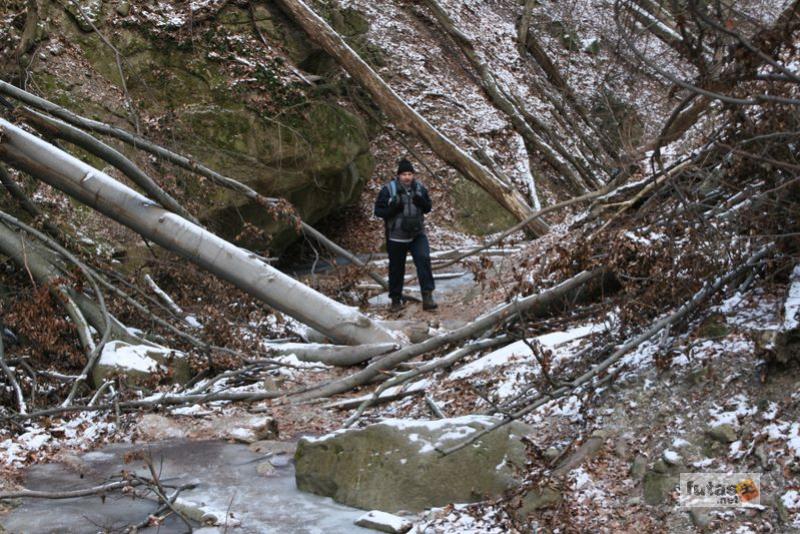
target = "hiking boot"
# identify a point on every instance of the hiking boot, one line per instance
(397, 305)
(427, 301)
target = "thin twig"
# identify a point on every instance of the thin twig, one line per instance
(10, 376)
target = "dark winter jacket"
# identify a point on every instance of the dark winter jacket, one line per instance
(406, 212)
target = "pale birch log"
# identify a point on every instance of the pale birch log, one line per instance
(238, 266)
(69, 129)
(338, 355)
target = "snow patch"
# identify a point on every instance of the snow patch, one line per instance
(520, 350)
(130, 357)
(389, 521)
(791, 500)
(791, 307)
(719, 416)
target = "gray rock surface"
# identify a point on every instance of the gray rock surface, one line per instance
(538, 499)
(723, 433)
(139, 364)
(377, 520)
(394, 465)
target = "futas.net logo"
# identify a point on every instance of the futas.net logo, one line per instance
(713, 490)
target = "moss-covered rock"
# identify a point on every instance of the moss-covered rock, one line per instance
(85, 13)
(722, 433)
(394, 465)
(318, 170)
(714, 327)
(538, 499)
(476, 212)
(659, 483)
(658, 486)
(268, 133)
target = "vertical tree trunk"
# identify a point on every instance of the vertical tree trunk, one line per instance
(238, 266)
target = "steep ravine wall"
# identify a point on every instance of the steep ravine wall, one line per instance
(222, 88)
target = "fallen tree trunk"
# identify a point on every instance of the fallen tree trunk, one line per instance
(134, 140)
(527, 41)
(12, 380)
(71, 494)
(403, 115)
(238, 266)
(337, 355)
(683, 118)
(61, 130)
(666, 34)
(27, 204)
(70, 130)
(82, 310)
(438, 258)
(166, 399)
(538, 304)
(55, 128)
(517, 227)
(333, 247)
(395, 382)
(660, 23)
(385, 395)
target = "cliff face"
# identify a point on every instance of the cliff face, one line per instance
(218, 82)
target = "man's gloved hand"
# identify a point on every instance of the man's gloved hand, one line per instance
(395, 205)
(417, 199)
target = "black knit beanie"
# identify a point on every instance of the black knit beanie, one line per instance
(405, 166)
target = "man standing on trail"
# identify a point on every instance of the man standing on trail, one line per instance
(402, 204)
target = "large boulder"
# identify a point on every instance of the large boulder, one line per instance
(395, 465)
(235, 109)
(319, 167)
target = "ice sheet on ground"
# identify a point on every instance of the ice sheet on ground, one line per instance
(228, 489)
(419, 385)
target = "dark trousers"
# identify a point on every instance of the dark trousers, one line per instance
(421, 252)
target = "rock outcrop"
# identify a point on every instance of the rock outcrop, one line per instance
(396, 464)
(236, 104)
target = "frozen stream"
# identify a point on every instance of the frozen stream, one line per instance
(444, 288)
(227, 480)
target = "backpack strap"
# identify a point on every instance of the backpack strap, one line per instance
(393, 188)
